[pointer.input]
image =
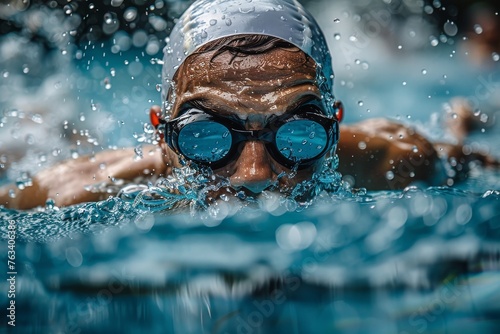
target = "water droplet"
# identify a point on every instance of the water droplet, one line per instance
(247, 10)
(450, 28)
(478, 29)
(212, 22)
(312, 134)
(424, 71)
(304, 142)
(360, 103)
(365, 65)
(434, 41)
(495, 56)
(107, 83)
(415, 149)
(361, 145)
(336, 20)
(26, 69)
(389, 175)
(158, 87)
(130, 14)
(12, 193)
(30, 140)
(112, 71)
(228, 22)
(404, 83)
(336, 36)
(67, 10)
(108, 18)
(82, 118)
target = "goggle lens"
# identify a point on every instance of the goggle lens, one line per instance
(205, 141)
(301, 140)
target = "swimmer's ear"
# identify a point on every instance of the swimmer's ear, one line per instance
(338, 106)
(156, 119)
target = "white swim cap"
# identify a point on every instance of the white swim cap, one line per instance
(208, 20)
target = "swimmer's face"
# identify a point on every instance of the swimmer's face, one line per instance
(252, 88)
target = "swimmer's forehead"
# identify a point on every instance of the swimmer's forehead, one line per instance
(207, 20)
(273, 82)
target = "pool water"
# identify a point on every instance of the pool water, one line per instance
(419, 260)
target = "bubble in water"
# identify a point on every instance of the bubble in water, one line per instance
(91, 6)
(362, 145)
(336, 36)
(424, 71)
(158, 87)
(74, 257)
(478, 29)
(450, 28)
(389, 175)
(495, 56)
(360, 103)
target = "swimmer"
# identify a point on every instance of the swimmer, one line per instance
(251, 98)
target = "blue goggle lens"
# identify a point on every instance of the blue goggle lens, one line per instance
(205, 141)
(301, 140)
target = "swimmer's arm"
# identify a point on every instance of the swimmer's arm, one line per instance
(65, 182)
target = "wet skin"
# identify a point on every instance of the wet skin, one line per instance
(253, 88)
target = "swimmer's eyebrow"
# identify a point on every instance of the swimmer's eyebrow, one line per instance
(209, 107)
(303, 100)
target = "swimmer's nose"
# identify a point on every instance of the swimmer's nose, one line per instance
(253, 169)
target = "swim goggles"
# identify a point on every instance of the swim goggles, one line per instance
(297, 138)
